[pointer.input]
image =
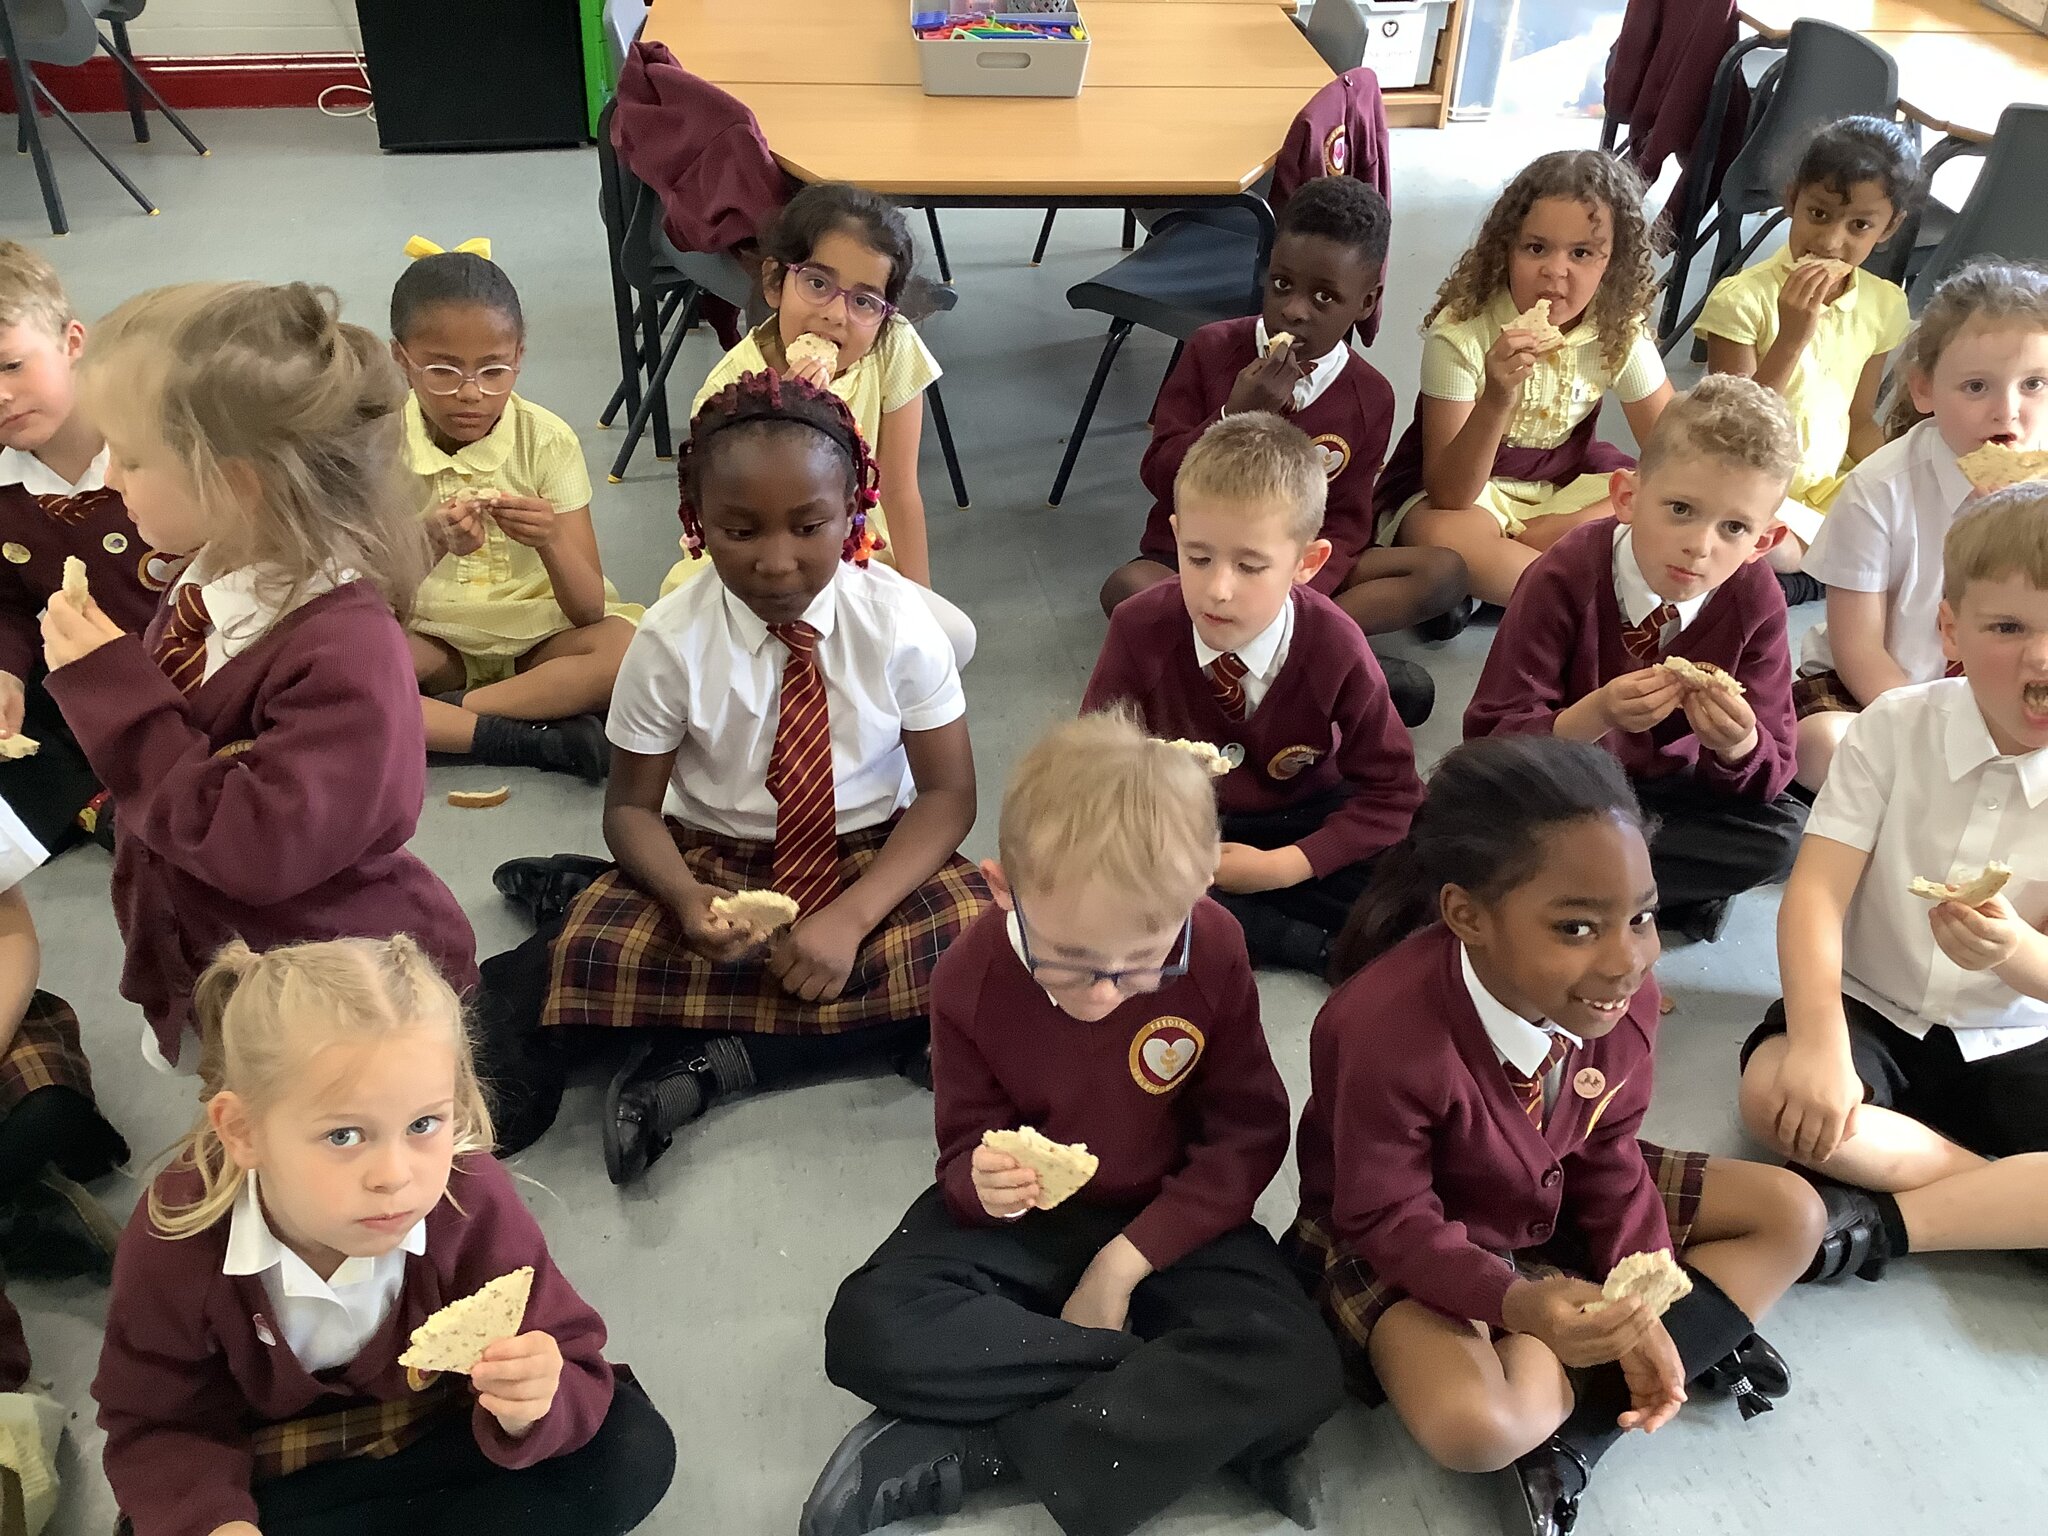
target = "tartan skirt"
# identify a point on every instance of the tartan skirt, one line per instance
(1823, 693)
(1353, 1299)
(46, 1053)
(367, 1429)
(620, 960)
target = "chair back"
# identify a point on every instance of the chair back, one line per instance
(623, 20)
(1828, 73)
(1336, 28)
(2005, 213)
(61, 32)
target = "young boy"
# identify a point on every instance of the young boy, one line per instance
(1241, 651)
(1909, 1055)
(1107, 1355)
(54, 502)
(1324, 279)
(1678, 571)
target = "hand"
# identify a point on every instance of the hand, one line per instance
(1007, 1188)
(1509, 362)
(811, 368)
(69, 635)
(1242, 869)
(1818, 1094)
(812, 960)
(13, 699)
(515, 1380)
(1554, 1311)
(1656, 1381)
(1801, 300)
(1722, 719)
(1265, 384)
(236, 1528)
(1639, 701)
(1977, 938)
(526, 520)
(456, 526)
(1102, 1298)
(717, 939)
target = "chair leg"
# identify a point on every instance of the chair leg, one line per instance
(938, 245)
(642, 363)
(1723, 265)
(1118, 330)
(57, 110)
(654, 407)
(945, 431)
(135, 80)
(628, 392)
(1130, 229)
(1172, 363)
(28, 133)
(137, 118)
(1044, 234)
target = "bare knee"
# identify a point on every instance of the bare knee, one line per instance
(1814, 745)
(1758, 1096)
(1129, 579)
(1789, 1211)
(1480, 1433)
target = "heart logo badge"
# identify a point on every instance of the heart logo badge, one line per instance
(1163, 1053)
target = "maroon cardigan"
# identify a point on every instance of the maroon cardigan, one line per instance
(1194, 1148)
(274, 804)
(1561, 640)
(1419, 1158)
(126, 575)
(186, 1373)
(1325, 726)
(1660, 76)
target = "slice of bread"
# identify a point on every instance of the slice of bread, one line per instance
(1654, 1277)
(456, 1336)
(1061, 1169)
(1994, 466)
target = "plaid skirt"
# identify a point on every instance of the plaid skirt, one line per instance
(368, 1429)
(1354, 1299)
(1823, 693)
(46, 1053)
(620, 959)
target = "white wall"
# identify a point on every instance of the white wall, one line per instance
(247, 26)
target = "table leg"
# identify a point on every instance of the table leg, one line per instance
(25, 104)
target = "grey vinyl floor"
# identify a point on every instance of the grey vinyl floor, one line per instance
(1919, 1403)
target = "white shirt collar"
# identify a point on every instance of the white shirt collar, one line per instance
(753, 630)
(1522, 1045)
(1926, 442)
(1637, 599)
(1967, 743)
(1322, 373)
(253, 1248)
(1265, 653)
(243, 604)
(24, 469)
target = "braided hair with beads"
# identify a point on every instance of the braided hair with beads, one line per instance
(768, 401)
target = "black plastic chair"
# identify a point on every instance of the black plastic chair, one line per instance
(2005, 213)
(1336, 29)
(1827, 73)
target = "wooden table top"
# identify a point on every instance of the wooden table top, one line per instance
(1774, 18)
(1959, 85)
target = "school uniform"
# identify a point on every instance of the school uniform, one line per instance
(43, 519)
(234, 1381)
(1345, 405)
(956, 1316)
(1919, 786)
(703, 680)
(1423, 1173)
(1319, 760)
(271, 797)
(1724, 827)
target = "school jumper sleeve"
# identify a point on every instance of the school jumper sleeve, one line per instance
(1521, 688)
(1182, 413)
(1608, 1192)
(1765, 672)
(1377, 760)
(967, 1096)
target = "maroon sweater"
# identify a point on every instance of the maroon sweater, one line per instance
(274, 804)
(1561, 640)
(126, 575)
(1417, 1155)
(1194, 1139)
(186, 1372)
(1325, 725)
(1349, 422)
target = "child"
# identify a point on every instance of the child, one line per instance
(837, 265)
(1324, 279)
(1821, 339)
(1469, 1148)
(518, 616)
(1241, 651)
(1501, 460)
(803, 716)
(54, 503)
(251, 1374)
(1976, 372)
(262, 736)
(1112, 1353)
(1677, 571)
(1909, 1055)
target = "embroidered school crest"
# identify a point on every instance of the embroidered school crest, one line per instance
(1334, 452)
(1163, 1052)
(156, 572)
(1290, 761)
(1336, 151)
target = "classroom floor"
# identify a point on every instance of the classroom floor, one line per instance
(1917, 1402)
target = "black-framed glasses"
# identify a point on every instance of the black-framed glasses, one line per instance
(820, 287)
(1143, 978)
(445, 379)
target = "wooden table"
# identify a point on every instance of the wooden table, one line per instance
(1959, 85)
(1774, 18)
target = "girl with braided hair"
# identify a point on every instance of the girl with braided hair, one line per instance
(791, 721)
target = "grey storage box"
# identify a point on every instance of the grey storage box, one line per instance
(1039, 66)
(2033, 12)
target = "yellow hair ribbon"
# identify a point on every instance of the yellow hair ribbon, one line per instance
(420, 245)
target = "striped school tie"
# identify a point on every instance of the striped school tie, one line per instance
(181, 649)
(1226, 676)
(800, 777)
(1645, 641)
(1530, 1089)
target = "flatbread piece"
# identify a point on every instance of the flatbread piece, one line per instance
(1062, 1169)
(1835, 269)
(1274, 344)
(811, 347)
(1973, 892)
(1208, 756)
(1535, 320)
(19, 745)
(454, 1337)
(1653, 1277)
(479, 799)
(1994, 466)
(1703, 674)
(75, 588)
(761, 911)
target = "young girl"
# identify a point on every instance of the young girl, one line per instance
(262, 737)
(1469, 1147)
(1818, 335)
(1976, 372)
(799, 710)
(518, 616)
(1501, 461)
(337, 1191)
(837, 264)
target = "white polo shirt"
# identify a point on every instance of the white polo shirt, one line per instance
(1919, 786)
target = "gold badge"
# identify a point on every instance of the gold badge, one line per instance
(1290, 761)
(115, 543)
(1589, 1082)
(1336, 151)
(17, 554)
(1334, 452)
(1163, 1052)
(417, 1380)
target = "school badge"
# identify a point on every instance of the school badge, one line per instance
(1163, 1052)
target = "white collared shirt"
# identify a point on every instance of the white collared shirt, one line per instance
(1638, 601)
(1516, 1042)
(703, 679)
(1322, 373)
(326, 1322)
(1919, 786)
(20, 854)
(1263, 655)
(18, 467)
(244, 605)
(1883, 533)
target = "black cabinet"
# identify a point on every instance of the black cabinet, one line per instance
(475, 74)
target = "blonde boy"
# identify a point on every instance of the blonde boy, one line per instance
(1104, 1002)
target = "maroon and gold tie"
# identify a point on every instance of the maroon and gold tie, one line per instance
(1530, 1089)
(181, 649)
(1645, 641)
(1226, 676)
(800, 777)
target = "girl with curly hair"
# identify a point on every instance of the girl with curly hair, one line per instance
(1501, 460)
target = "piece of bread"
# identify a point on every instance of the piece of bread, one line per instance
(19, 745)
(1973, 892)
(1208, 756)
(1062, 1169)
(1835, 269)
(479, 799)
(1994, 466)
(761, 911)
(1703, 674)
(1653, 1277)
(454, 1337)
(1275, 343)
(1535, 320)
(75, 588)
(809, 347)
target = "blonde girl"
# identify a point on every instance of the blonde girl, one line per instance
(336, 1192)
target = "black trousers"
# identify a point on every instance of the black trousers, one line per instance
(1709, 846)
(443, 1482)
(48, 791)
(1322, 903)
(1226, 1360)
